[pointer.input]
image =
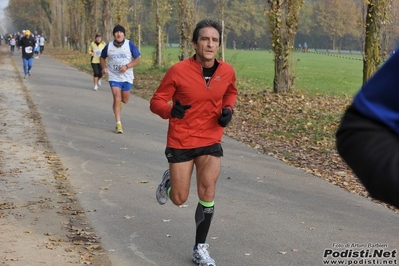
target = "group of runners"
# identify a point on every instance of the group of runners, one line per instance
(14, 39)
(197, 96)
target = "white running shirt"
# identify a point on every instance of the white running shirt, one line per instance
(117, 57)
(41, 41)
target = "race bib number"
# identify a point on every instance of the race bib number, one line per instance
(116, 67)
(28, 50)
(97, 52)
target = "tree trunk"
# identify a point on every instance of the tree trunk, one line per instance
(334, 43)
(136, 35)
(372, 46)
(48, 24)
(107, 20)
(158, 46)
(162, 15)
(221, 4)
(62, 30)
(186, 10)
(89, 26)
(283, 23)
(377, 13)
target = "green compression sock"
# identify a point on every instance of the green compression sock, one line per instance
(168, 191)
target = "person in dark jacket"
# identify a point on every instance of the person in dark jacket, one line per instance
(27, 45)
(368, 135)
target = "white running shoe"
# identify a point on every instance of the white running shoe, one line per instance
(99, 83)
(201, 255)
(162, 190)
(95, 88)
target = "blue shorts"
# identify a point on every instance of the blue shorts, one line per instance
(124, 86)
(185, 155)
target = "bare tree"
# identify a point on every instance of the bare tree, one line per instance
(283, 24)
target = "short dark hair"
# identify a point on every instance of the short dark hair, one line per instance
(207, 23)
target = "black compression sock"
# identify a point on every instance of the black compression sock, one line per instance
(203, 218)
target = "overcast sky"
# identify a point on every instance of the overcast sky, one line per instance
(3, 4)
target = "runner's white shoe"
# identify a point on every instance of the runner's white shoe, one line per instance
(162, 190)
(201, 255)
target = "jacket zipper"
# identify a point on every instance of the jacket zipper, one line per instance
(207, 85)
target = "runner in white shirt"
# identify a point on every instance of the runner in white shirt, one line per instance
(42, 40)
(122, 55)
(13, 42)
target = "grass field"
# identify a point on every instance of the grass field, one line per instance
(316, 74)
(322, 74)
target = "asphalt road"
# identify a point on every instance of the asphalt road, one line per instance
(266, 212)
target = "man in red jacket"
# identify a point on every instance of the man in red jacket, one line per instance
(203, 93)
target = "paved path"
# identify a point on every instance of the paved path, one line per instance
(267, 213)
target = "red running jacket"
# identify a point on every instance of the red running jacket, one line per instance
(185, 82)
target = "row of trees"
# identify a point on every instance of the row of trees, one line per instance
(274, 24)
(328, 24)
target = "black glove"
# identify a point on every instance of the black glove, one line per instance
(225, 118)
(179, 110)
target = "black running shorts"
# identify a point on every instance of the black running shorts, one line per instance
(185, 155)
